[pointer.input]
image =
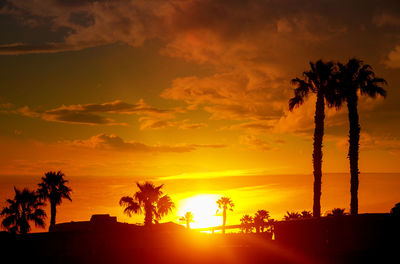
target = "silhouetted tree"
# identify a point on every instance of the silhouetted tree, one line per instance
(306, 214)
(225, 203)
(292, 216)
(25, 207)
(354, 77)
(246, 224)
(187, 218)
(260, 219)
(337, 212)
(149, 199)
(53, 188)
(396, 210)
(318, 80)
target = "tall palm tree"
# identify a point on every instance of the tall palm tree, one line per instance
(225, 203)
(53, 188)
(149, 199)
(25, 207)
(318, 80)
(260, 220)
(187, 218)
(246, 223)
(356, 77)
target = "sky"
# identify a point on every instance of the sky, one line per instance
(192, 91)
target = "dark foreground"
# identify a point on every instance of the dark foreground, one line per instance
(364, 239)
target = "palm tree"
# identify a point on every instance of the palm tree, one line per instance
(149, 199)
(25, 207)
(187, 218)
(292, 216)
(53, 188)
(337, 212)
(225, 203)
(246, 223)
(306, 214)
(318, 80)
(354, 77)
(260, 219)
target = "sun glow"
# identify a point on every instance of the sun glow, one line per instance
(204, 209)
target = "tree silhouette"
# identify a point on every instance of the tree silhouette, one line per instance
(306, 214)
(53, 188)
(337, 212)
(396, 210)
(149, 199)
(225, 203)
(260, 220)
(25, 207)
(354, 77)
(292, 216)
(318, 80)
(246, 223)
(187, 218)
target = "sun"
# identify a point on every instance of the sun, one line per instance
(203, 208)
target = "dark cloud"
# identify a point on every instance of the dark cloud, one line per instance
(255, 49)
(93, 114)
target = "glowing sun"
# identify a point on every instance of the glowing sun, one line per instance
(203, 208)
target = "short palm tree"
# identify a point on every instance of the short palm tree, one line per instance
(24, 208)
(187, 218)
(260, 220)
(149, 199)
(292, 216)
(224, 204)
(246, 223)
(318, 80)
(337, 212)
(53, 188)
(306, 214)
(356, 77)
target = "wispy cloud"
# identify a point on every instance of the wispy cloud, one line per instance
(93, 114)
(214, 174)
(115, 143)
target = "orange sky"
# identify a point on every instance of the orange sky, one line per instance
(115, 92)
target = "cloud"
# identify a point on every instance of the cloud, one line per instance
(93, 114)
(115, 143)
(370, 142)
(255, 143)
(254, 50)
(393, 60)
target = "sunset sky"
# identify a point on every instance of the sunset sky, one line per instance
(193, 94)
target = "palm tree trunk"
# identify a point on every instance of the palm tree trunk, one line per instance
(317, 152)
(52, 215)
(354, 138)
(187, 224)
(223, 221)
(148, 211)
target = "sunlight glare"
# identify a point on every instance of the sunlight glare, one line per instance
(203, 208)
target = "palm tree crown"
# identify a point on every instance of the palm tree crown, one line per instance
(25, 207)
(353, 78)
(187, 218)
(149, 199)
(53, 188)
(246, 223)
(292, 216)
(260, 220)
(225, 203)
(319, 80)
